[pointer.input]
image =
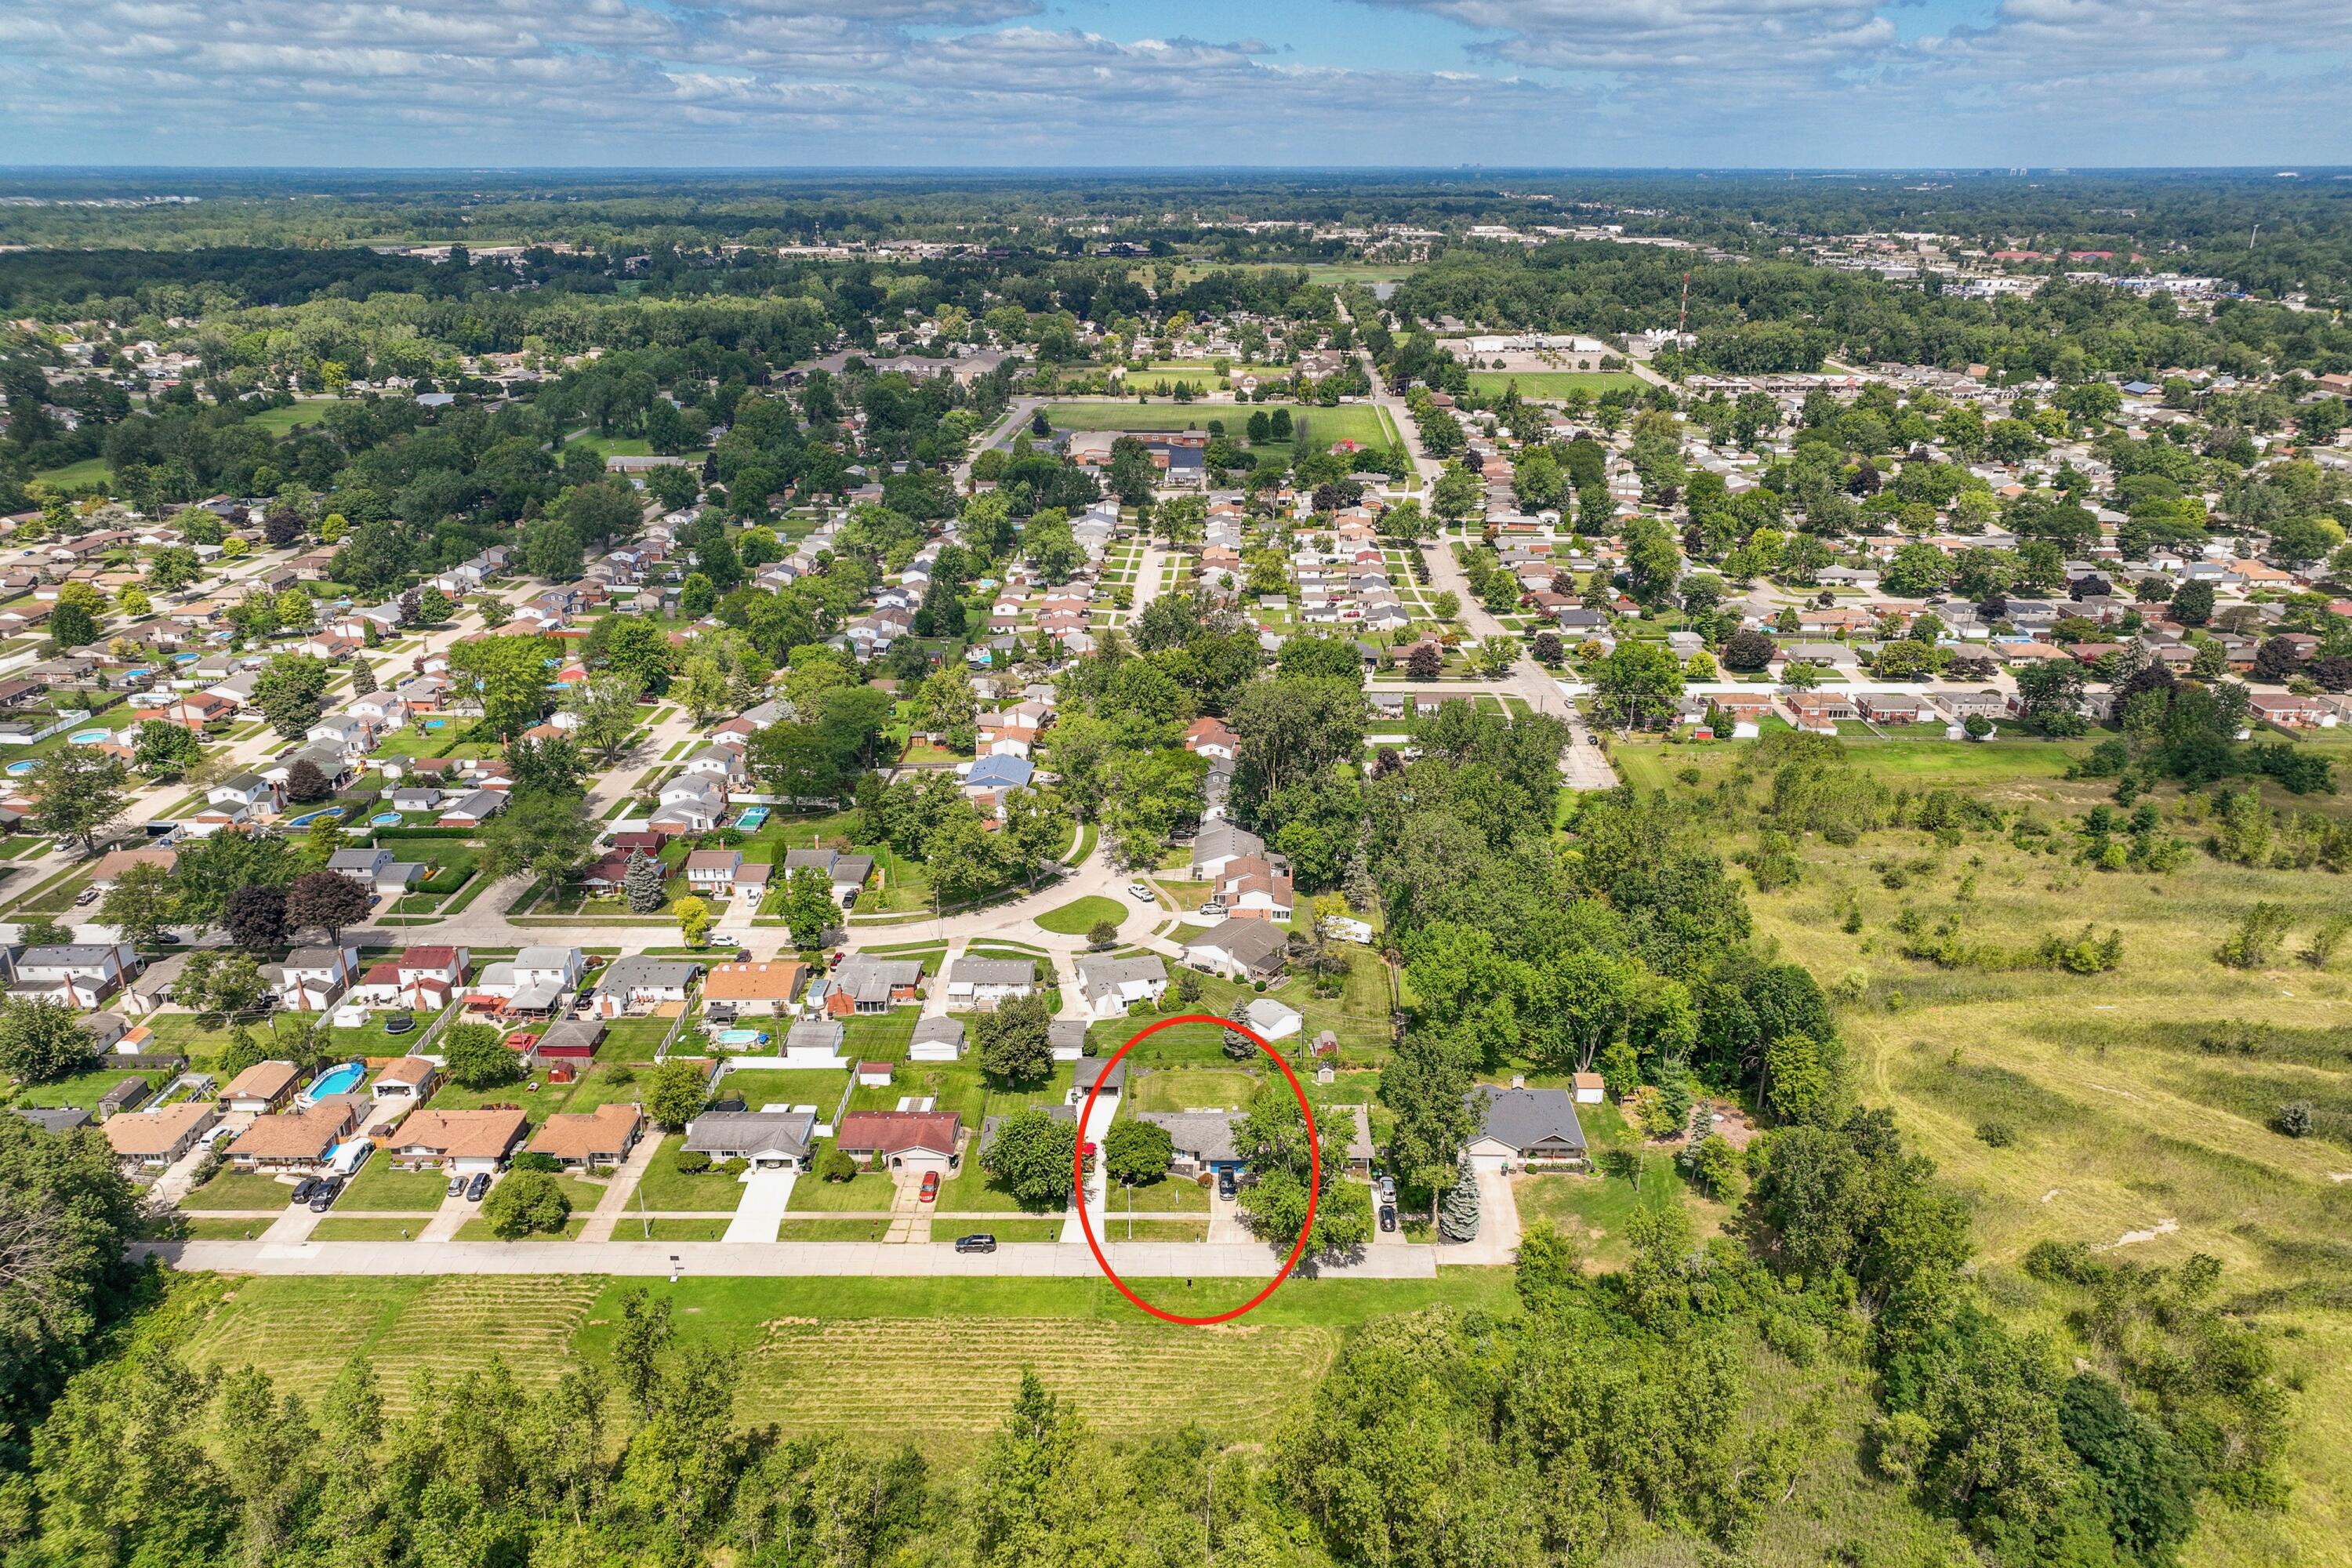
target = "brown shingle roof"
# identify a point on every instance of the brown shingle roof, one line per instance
(263, 1080)
(144, 1132)
(463, 1134)
(581, 1136)
(779, 981)
(296, 1135)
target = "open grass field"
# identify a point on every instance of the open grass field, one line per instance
(1551, 385)
(293, 416)
(2132, 1109)
(2007, 771)
(815, 1351)
(89, 471)
(868, 1192)
(380, 1186)
(1359, 422)
(239, 1190)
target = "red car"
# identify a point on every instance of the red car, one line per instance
(931, 1186)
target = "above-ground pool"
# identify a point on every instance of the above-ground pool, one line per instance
(437, 724)
(89, 737)
(338, 1079)
(739, 1037)
(753, 818)
(309, 818)
(386, 819)
(19, 769)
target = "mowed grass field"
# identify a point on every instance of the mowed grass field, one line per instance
(1551, 385)
(1363, 423)
(815, 1351)
(2139, 1101)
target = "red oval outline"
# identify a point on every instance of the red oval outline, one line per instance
(1314, 1179)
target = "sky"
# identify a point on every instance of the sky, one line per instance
(1100, 83)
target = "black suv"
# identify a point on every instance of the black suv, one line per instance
(981, 1243)
(303, 1189)
(328, 1192)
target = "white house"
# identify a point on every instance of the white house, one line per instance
(986, 982)
(312, 979)
(79, 974)
(1112, 985)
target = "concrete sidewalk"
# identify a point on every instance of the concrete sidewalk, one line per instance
(775, 1260)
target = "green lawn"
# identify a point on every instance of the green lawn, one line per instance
(479, 1230)
(82, 1089)
(788, 1086)
(334, 1229)
(663, 1185)
(1077, 916)
(868, 1192)
(381, 1186)
(1187, 1088)
(1363, 423)
(238, 1190)
(831, 1229)
(1552, 385)
(88, 473)
(300, 412)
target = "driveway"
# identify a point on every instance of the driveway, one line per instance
(1497, 1240)
(1097, 1180)
(765, 1193)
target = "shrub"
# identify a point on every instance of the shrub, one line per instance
(2293, 1119)
(526, 1202)
(691, 1162)
(833, 1165)
(734, 1168)
(530, 1161)
(1996, 1135)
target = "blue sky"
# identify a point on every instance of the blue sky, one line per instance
(1026, 83)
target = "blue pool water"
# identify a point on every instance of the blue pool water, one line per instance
(305, 820)
(18, 770)
(753, 819)
(385, 819)
(437, 724)
(738, 1037)
(185, 658)
(339, 1080)
(135, 674)
(89, 737)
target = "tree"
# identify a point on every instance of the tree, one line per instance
(290, 692)
(41, 1040)
(809, 910)
(1424, 663)
(676, 1094)
(541, 832)
(1458, 1219)
(527, 1203)
(305, 785)
(220, 984)
(433, 607)
(1033, 1157)
(166, 750)
(78, 793)
(1748, 651)
(641, 884)
(327, 901)
(507, 676)
(693, 920)
(173, 567)
(1638, 682)
(1272, 1138)
(478, 1056)
(1455, 494)
(255, 917)
(1015, 1042)
(1427, 1086)
(606, 706)
(1137, 1153)
(70, 626)
(2192, 603)
(142, 901)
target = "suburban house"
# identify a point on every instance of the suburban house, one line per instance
(1093, 1071)
(1245, 950)
(638, 983)
(901, 1140)
(760, 990)
(864, 984)
(114, 862)
(79, 974)
(847, 873)
(1519, 1125)
(711, 872)
(313, 979)
(588, 1139)
(763, 1140)
(295, 1141)
(1219, 845)
(261, 1088)
(985, 981)
(376, 871)
(462, 1143)
(1256, 886)
(1211, 738)
(152, 1140)
(1112, 985)
(409, 1079)
(1203, 1140)
(473, 811)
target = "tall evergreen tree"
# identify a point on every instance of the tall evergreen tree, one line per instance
(1458, 1217)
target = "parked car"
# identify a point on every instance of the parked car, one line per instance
(324, 1198)
(457, 1187)
(87, 895)
(1225, 1185)
(930, 1186)
(1213, 910)
(1388, 1216)
(303, 1189)
(477, 1186)
(1388, 1189)
(984, 1242)
(724, 939)
(1139, 892)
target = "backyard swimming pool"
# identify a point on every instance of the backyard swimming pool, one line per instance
(739, 1037)
(305, 820)
(385, 819)
(753, 818)
(18, 770)
(89, 737)
(338, 1079)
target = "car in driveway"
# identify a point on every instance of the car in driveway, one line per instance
(457, 1187)
(324, 1198)
(982, 1242)
(1388, 1216)
(1388, 1189)
(1227, 1186)
(477, 1186)
(1139, 892)
(303, 1189)
(931, 1188)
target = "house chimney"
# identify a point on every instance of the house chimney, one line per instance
(1518, 1080)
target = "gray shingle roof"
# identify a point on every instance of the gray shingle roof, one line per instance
(1526, 1117)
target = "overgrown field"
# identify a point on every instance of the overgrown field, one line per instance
(2133, 1110)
